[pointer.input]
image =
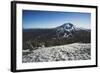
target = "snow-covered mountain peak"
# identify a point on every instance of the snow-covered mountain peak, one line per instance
(66, 26)
(65, 30)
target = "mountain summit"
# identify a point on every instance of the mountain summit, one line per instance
(65, 30)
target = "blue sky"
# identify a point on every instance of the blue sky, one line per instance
(51, 19)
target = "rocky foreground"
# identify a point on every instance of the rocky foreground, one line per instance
(75, 51)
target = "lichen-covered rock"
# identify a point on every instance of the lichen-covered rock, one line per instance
(75, 51)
